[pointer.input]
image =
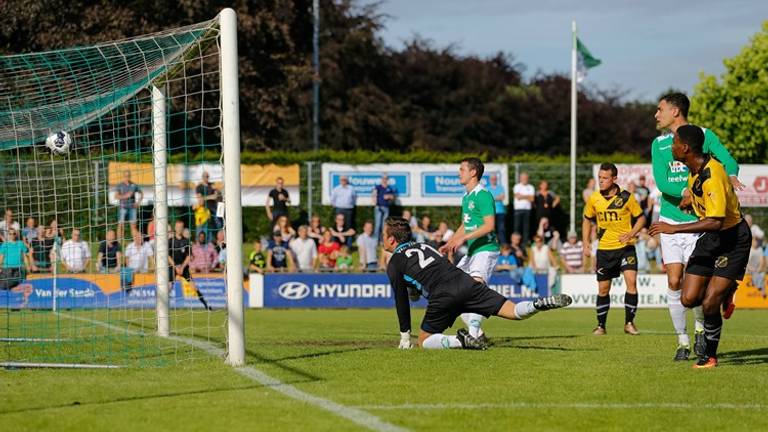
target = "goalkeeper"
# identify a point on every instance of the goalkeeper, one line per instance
(417, 269)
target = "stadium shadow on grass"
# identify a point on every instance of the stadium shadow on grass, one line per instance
(746, 357)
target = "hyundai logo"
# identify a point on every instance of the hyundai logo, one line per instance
(293, 290)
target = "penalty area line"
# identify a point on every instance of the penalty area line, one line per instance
(354, 414)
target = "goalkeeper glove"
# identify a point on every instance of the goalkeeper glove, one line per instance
(405, 340)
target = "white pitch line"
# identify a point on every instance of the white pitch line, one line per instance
(575, 405)
(353, 414)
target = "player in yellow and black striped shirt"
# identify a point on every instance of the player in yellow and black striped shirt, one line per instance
(619, 218)
(721, 253)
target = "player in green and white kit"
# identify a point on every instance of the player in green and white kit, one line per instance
(478, 229)
(672, 179)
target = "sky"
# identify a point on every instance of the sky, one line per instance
(646, 46)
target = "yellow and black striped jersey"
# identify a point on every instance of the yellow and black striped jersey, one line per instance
(614, 217)
(713, 195)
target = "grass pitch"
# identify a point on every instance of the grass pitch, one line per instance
(546, 373)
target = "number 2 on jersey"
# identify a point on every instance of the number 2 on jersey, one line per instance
(423, 261)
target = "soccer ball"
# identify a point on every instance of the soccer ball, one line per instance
(59, 143)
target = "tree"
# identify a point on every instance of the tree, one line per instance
(736, 107)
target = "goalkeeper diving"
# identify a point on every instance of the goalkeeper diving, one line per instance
(418, 270)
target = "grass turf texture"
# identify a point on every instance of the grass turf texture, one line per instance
(546, 373)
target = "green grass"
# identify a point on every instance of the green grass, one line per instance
(546, 373)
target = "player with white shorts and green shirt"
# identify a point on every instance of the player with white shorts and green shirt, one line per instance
(672, 180)
(478, 229)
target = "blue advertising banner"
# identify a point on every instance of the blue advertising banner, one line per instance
(441, 184)
(325, 290)
(78, 292)
(364, 182)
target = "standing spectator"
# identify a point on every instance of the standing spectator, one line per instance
(383, 197)
(588, 190)
(643, 197)
(518, 249)
(327, 252)
(344, 261)
(545, 201)
(367, 248)
(523, 202)
(139, 255)
(129, 196)
(551, 236)
(211, 196)
(423, 232)
(756, 266)
(257, 260)
(8, 224)
(283, 225)
(75, 254)
(280, 200)
(757, 232)
(316, 229)
(655, 203)
(305, 250)
(442, 235)
(110, 256)
(641, 250)
(499, 194)
(203, 222)
(572, 254)
(543, 260)
(204, 256)
(29, 232)
(14, 260)
(41, 247)
(343, 200)
(151, 231)
(341, 232)
(279, 254)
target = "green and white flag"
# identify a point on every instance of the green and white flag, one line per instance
(585, 61)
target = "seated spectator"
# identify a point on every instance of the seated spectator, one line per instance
(424, 230)
(14, 260)
(315, 230)
(204, 256)
(442, 235)
(75, 253)
(42, 256)
(304, 249)
(29, 232)
(257, 260)
(8, 224)
(151, 231)
(549, 235)
(202, 216)
(327, 252)
(283, 226)
(53, 231)
(341, 235)
(221, 250)
(518, 250)
(407, 215)
(344, 261)
(757, 232)
(756, 266)
(367, 248)
(506, 262)
(279, 257)
(139, 254)
(572, 254)
(110, 257)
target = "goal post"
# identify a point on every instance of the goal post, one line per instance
(161, 110)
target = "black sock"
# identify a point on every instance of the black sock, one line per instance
(603, 305)
(713, 325)
(630, 307)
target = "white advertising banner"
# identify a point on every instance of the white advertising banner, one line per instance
(416, 184)
(754, 177)
(651, 290)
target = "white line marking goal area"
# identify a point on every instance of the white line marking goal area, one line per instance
(564, 405)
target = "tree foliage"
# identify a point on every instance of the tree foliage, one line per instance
(418, 98)
(737, 105)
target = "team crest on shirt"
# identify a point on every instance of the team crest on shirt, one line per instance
(471, 205)
(618, 201)
(721, 261)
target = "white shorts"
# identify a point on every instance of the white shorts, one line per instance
(677, 248)
(479, 265)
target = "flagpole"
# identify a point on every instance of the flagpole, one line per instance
(573, 129)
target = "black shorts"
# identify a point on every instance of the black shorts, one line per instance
(722, 253)
(610, 263)
(445, 305)
(172, 274)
